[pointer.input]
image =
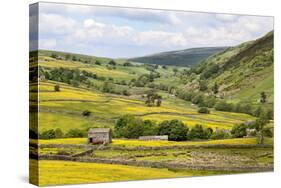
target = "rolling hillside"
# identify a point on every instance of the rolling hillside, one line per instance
(63, 109)
(241, 72)
(185, 57)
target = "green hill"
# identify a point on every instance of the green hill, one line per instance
(185, 57)
(110, 90)
(241, 72)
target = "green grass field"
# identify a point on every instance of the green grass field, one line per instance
(64, 172)
(137, 143)
(63, 110)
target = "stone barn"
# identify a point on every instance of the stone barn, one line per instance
(99, 135)
(148, 138)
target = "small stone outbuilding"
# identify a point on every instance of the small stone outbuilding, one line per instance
(148, 138)
(99, 136)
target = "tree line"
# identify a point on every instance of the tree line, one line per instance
(132, 127)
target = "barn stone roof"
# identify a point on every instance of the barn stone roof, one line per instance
(99, 130)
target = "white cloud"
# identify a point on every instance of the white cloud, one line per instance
(97, 29)
(56, 24)
(47, 43)
(226, 17)
(145, 15)
(93, 32)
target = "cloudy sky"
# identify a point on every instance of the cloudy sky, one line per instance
(126, 32)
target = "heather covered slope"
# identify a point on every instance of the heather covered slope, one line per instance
(184, 58)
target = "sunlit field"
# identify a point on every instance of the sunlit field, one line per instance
(137, 143)
(64, 172)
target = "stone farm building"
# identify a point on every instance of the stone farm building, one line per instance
(99, 135)
(162, 137)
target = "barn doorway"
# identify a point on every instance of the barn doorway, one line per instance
(90, 140)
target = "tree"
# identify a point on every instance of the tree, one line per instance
(175, 70)
(112, 62)
(203, 110)
(75, 133)
(203, 85)
(210, 71)
(220, 134)
(129, 126)
(198, 132)
(48, 134)
(151, 97)
(74, 58)
(97, 62)
(223, 106)
(158, 101)
(127, 64)
(263, 97)
(258, 111)
(197, 99)
(107, 87)
(150, 128)
(57, 87)
(58, 133)
(215, 88)
(67, 57)
(175, 129)
(239, 131)
(259, 125)
(164, 128)
(126, 92)
(54, 56)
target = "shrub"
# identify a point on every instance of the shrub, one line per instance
(57, 87)
(197, 99)
(112, 62)
(86, 113)
(220, 134)
(75, 133)
(175, 129)
(54, 56)
(203, 110)
(239, 131)
(125, 92)
(210, 101)
(223, 106)
(150, 128)
(48, 134)
(127, 64)
(198, 132)
(268, 132)
(129, 126)
(203, 85)
(98, 63)
(58, 133)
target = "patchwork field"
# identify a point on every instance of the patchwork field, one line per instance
(217, 115)
(63, 110)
